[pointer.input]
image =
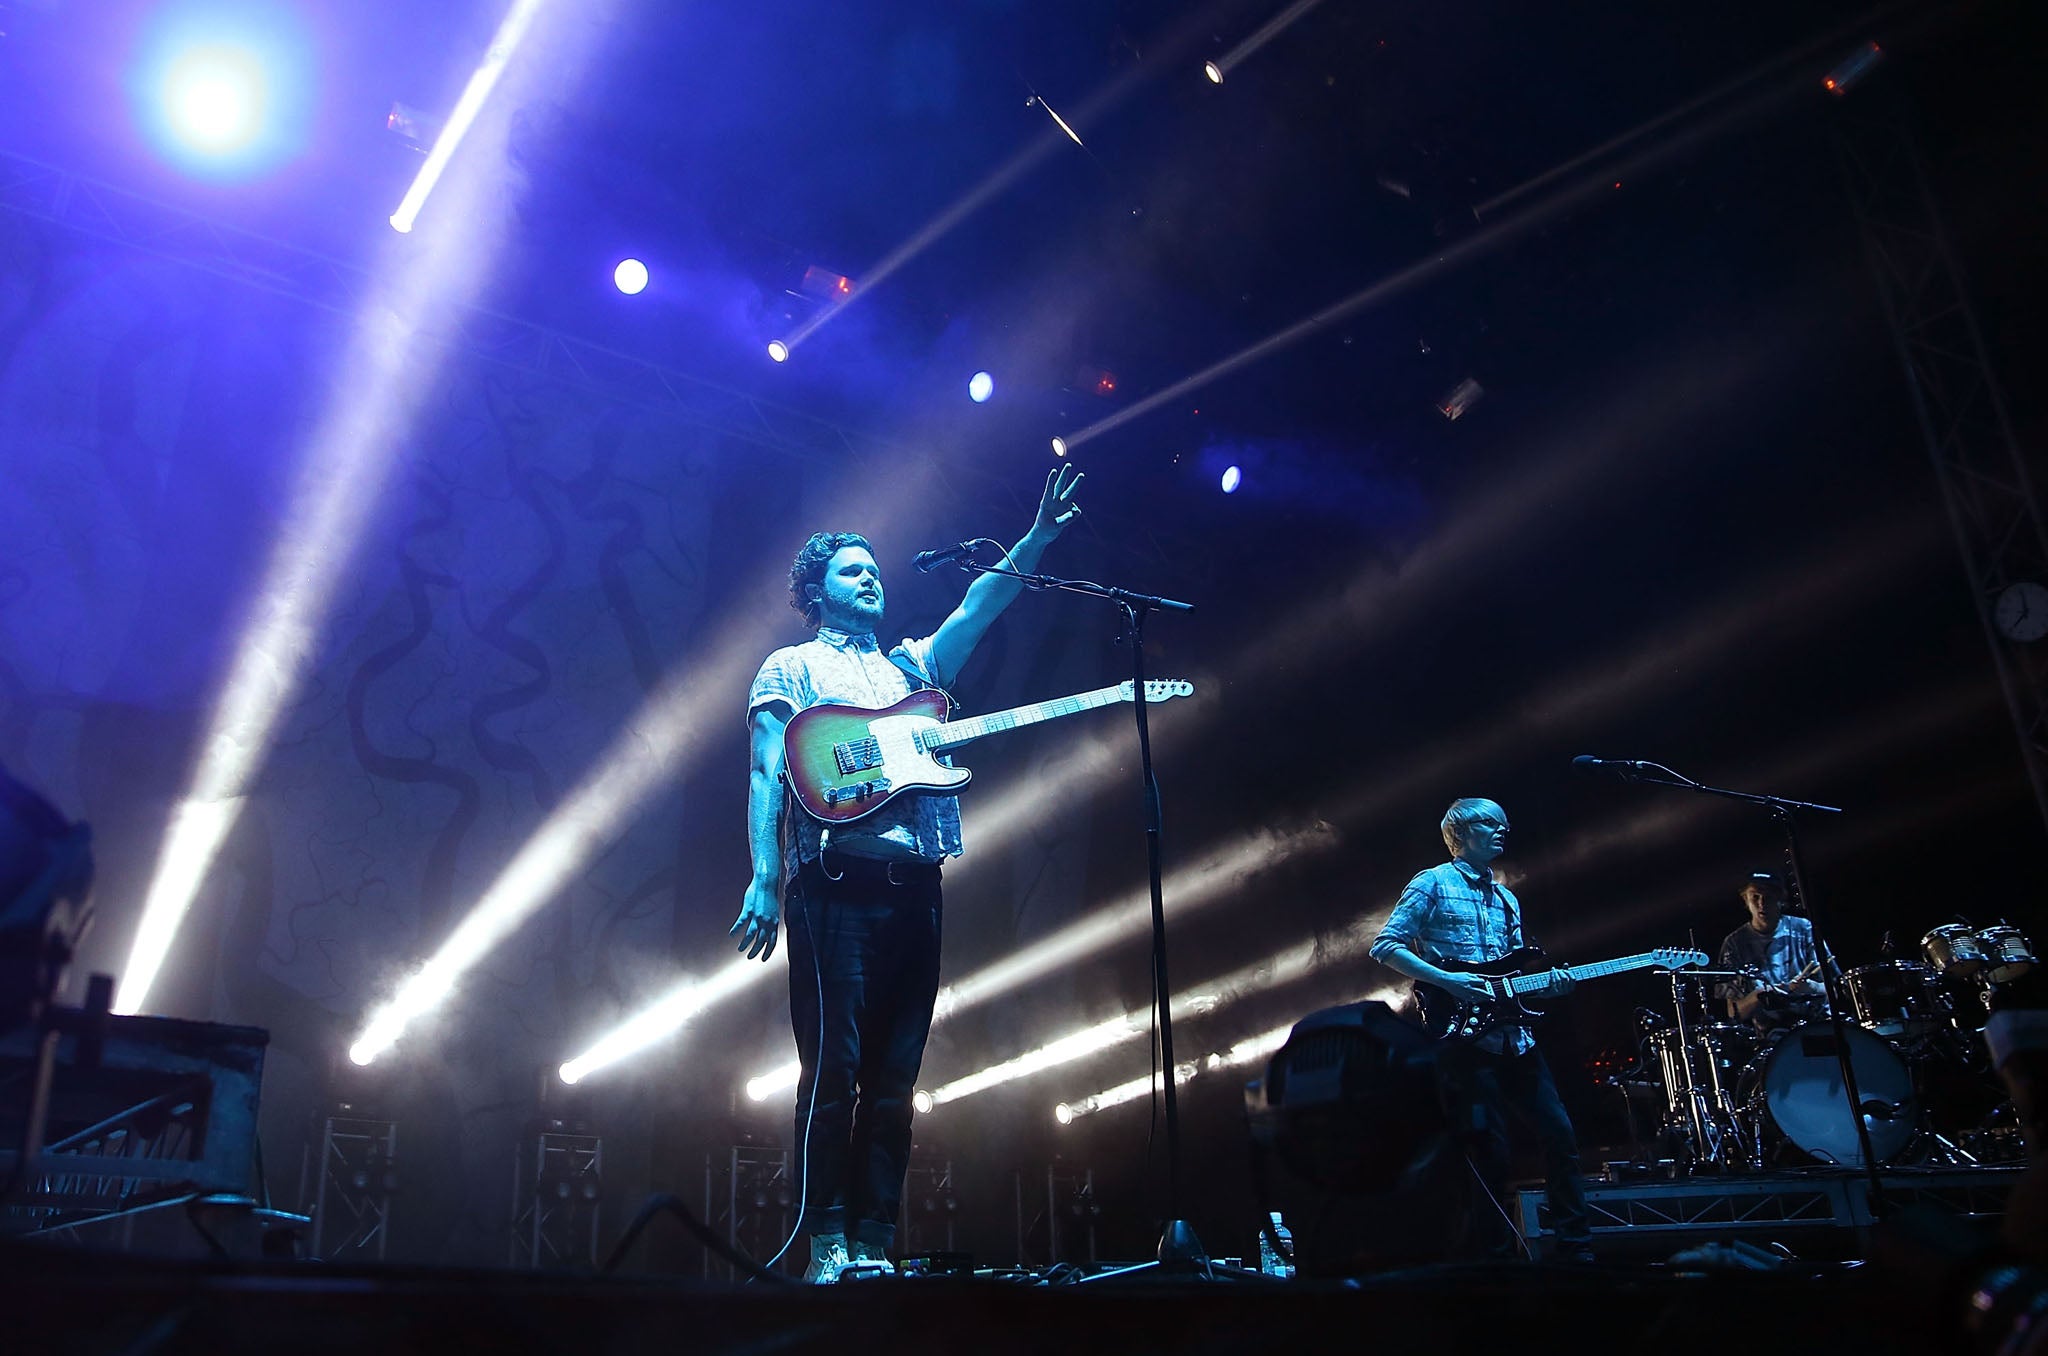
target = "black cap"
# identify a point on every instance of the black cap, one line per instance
(1770, 884)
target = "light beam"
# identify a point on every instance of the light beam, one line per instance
(511, 33)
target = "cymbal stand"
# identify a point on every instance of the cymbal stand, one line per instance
(1704, 1146)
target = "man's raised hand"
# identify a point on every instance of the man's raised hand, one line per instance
(1058, 506)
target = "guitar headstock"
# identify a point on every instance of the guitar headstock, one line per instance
(1678, 958)
(1159, 689)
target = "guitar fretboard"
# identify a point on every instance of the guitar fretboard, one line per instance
(1526, 983)
(959, 732)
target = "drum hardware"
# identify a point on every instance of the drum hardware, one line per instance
(1794, 1088)
(2010, 954)
(1696, 1062)
(1897, 998)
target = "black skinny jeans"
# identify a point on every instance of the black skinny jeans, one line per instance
(1481, 1090)
(867, 945)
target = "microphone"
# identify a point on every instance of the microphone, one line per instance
(924, 562)
(1627, 767)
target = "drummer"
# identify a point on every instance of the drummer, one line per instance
(1776, 950)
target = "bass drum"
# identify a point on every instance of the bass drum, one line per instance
(1794, 1088)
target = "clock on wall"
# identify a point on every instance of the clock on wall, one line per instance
(2022, 610)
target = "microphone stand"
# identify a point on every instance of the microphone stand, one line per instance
(1179, 1248)
(1782, 812)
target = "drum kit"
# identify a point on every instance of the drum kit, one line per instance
(1739, 1099)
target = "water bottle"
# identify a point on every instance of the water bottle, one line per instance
(1270, 1260)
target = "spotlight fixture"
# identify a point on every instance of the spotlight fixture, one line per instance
(1462, 397)
(1213, 71)
(1094, 380)
(823, 284)
(1232, 478)
(778, 350)
(411, 125)
(215, 98)
(1852, 68)
(980, 387)
(921, 1102)
(630, 276)
(1063, 1113)
(511, 32)
(1059, 446)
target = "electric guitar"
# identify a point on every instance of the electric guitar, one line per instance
(1518, 982)
(844, 763)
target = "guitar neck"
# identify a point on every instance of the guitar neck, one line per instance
(958, 732)
(1526, 983)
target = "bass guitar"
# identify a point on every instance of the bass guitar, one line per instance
(1517, 984)
(844, 763)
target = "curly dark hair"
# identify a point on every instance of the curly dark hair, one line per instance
(809, 568)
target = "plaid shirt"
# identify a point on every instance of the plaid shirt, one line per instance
(848, 670)
(1459, 912)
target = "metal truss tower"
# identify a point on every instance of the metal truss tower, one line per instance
(357, 1176)
(1982, 471)
(557, 1183)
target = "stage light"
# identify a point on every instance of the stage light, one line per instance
(1276, 971)
(1464, 395)
(1079, 1045)
(824, 284)
(778, 350)
(664, 1017)
(630, 277)
(1852, 68)
(645, 756)
(216, 98)
(1059, 447)
(922, 1102)
(1063, 1113)
(1267, 31)
(1232, 478)
(980, 387)
(511, 32)
(380, 378)
(1246, 1052)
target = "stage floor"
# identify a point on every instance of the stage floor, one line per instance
(64, 1299)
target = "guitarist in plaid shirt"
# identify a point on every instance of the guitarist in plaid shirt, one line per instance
(1458, 913)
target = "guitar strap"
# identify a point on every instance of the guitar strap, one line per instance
(916, 675)
(1512, 912)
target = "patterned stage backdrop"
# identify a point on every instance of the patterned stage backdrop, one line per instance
(539, 562)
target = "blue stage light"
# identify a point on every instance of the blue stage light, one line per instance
(214, 98)
(1232, 478)
(224, 89)
(631, 276)
(778, 350)
(980, 387)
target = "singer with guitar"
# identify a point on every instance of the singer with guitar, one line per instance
(1450, 920)
(861, 894)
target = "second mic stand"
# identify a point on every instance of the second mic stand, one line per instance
(1179, 1248)
(1782, 811)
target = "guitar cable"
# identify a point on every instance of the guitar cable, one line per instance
(803, 1150)
(1521, 1243)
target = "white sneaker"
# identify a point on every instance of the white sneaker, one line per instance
(868, 1260)
(828, 1259)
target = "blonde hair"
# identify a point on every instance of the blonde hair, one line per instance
(1462, 815)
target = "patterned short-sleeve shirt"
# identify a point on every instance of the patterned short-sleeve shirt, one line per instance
(851, 670)
(1459, 912)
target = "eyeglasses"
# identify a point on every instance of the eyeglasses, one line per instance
(1488, 826)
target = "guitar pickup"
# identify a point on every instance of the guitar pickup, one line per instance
(857, 755)
(839, 795)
